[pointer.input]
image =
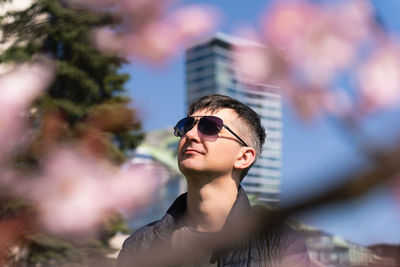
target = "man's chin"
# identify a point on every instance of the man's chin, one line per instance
(184, 168)
(188, 168)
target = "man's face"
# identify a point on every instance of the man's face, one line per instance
(210, 155)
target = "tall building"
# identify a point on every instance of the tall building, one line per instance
(210, 70)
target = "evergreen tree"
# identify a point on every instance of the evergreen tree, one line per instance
(86, 102)
(87, 93)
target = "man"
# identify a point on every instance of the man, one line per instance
(220, 140)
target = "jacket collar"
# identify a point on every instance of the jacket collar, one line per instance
(170, 221)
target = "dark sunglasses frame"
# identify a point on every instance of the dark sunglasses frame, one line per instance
(214, 123)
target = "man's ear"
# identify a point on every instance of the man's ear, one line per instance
(246, 157)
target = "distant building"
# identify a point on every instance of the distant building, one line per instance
(387, 251)
(210, 70)
(159, 147)
(333, 251)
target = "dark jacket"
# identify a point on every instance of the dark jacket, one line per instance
(150, 245)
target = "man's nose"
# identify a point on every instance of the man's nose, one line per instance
(193, 134)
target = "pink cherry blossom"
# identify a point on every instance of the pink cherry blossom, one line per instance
(251, 59)
(321, 55)
(156, 43)
(252, 62)
(316, 48)
(97, 3)
(379, 77)
(151, 33)
(338, 102)
(358, 14)
(23, 84)
(308, 45)
(192, 21)
(109, 41)
(18, 88)
(77, 192)
(287, 21)
(151, 30)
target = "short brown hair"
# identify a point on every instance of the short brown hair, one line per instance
(215, 102)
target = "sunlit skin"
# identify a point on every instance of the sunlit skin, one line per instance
(212, 166)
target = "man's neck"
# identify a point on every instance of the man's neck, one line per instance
(209, 203)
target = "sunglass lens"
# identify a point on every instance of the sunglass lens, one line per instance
(178, 129)
(210, 125)
(183, 126)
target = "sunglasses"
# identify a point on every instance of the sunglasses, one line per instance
(207, 125)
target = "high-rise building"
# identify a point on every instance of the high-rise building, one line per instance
(210, 70)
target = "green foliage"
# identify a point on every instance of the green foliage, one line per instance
(10, 207)
(254, 201)
(47, 250)
(86, 102)
(115, 224)
(85, 77)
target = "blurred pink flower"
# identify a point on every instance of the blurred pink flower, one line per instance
(379, 77)
(312, 103)
(338, 102)
(77, 192)
(316, 48)
(287, 21)
(128, 6)
(358, 14)
(257, 62)
(107, 40)
(308, 102)
(253, 63)
(192, 21)
(252, 60)
(150, 33)
(321, 55)
(317, 40)
(305, 46)
(150, 8)
(18, 88)
(88, 3)
(155, 42)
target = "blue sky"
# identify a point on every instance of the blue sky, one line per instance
(313, 154)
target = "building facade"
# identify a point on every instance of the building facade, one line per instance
(333, 251)
(210, 70)
(158, 149)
